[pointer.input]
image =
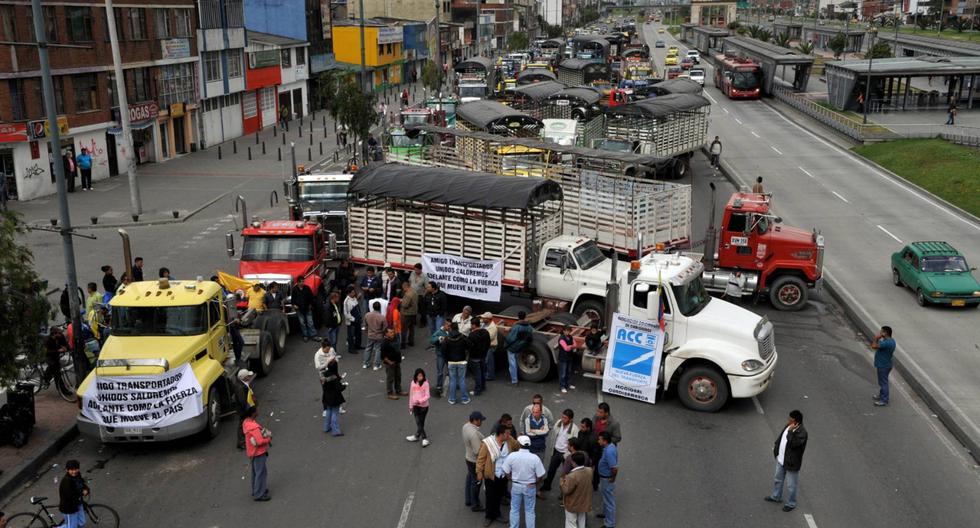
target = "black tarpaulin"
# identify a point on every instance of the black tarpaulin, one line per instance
(453, 186)
(660, 106)
(530, 75)
(586, 94)
(538, 91)
(475, 63)
(482, 112)
(678, 86)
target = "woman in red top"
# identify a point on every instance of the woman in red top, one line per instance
(393, 319)
(257, 440)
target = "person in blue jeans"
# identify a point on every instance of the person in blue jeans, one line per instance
(884, 346)
(456, 350)
(437, 341)
(434, 305)
(525, 471)
(518, 339)
(608, 470)
(788, 451)
(566, 355)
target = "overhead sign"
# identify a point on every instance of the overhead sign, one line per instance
(389, 35)
(175, 48)
(141, 402)
(464, 277)
(41, 129)
(13, 132)
(633, 359)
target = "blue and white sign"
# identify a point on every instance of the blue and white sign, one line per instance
(633, 358)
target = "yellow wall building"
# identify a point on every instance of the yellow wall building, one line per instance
(382, 55)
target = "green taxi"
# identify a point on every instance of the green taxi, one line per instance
(937, 273)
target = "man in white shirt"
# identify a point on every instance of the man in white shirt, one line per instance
(525, 470)
(464, 320)
(564, 429)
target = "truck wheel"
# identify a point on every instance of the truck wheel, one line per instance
(565, 318)
(788, 293)
(280, 333)
(703, 389)
(896, 278)
(535, 362)
(262, 364)
(214, 414)
(511, 311)
(681, 166)
(593, 308)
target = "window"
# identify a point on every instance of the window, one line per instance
(234, 13)
(387, 49)
(50, 24)
(214, 311)
(183, 26)
(300, 57)
(556, 258)
(141, 85)
(18, 106)
(212, 66)
(137, 24)
(176, 84)
(268, 98)
(210, 13)
(286, 62)
(249, 105)
(59, 96)
(737, 222)
(79, 21)
(120, 28)
(7, 22)
(234, 57)
(111, 87)
(86, 92)
(161, 22)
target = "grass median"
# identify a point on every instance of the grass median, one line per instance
(942, 168)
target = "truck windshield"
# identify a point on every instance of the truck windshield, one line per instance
(415, 119)
(949, 264)
(512, 162)
(159, 321)
(472, 91)
(284, 249)
(615, 145)
(399, 141)
(588, 255)
(323, 190)
(691, 296)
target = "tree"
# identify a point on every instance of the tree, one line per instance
(734, 25)
(837, 44)
(517, 41)
(754, 31)
(765, 35)
(327, 85)
(24, 311)
(357, 110)
(431, 76)
(805, 48)
(881, 50)
(782, 40)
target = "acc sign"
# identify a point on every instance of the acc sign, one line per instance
(633, 359)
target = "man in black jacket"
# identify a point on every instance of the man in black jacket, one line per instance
(71, 491)
(456, 349)
(480, 342)
(788, 451)
(434, 305)
(302, 298)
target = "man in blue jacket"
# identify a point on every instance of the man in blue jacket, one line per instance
(518, 339)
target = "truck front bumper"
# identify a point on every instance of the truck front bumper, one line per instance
(156, 434)
(748, 386)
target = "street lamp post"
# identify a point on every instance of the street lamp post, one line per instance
(872, 31)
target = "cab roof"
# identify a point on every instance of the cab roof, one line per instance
(749, 202)
(281, 227)
(673, 268)
(934, 249)
(336, 177)
(165, 293)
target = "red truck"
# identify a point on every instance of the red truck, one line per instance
(783, 261)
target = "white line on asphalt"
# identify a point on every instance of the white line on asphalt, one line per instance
(726, 110)
(776, 149)
(809, 520)
(706, 94)
(737, 120)
(754, 134)
(406, 509)
(758, 406)
(842, 198)
(914, 192)
(899, 240)
(805, 172)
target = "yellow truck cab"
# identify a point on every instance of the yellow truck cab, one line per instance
(518, 160)
(161, 374)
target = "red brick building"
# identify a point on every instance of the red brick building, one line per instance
(159, 54)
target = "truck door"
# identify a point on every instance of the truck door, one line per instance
(639, 295)
(558, 275)
(733, 248)
(218, 339)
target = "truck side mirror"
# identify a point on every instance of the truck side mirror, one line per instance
(332, 246)
(230, 244)
(653, 304)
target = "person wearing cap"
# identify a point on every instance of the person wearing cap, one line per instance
(525, 471)
(245, 399)
(494, 450)
(472, 437)
(480, 342)
(257, 440)
(608, 470)
(491, 327)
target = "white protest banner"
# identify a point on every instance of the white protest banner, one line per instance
(633, 359)
(158, 400)
(464, 277)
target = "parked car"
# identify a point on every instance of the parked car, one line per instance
(697, 75)
(937, 273)
(660, 44)
(660, 30)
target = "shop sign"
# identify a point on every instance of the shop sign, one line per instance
(263, 59)
(13, 132)
(41, 129)
(176, 48)
(389, 35)
(177, 110)
(143, 111)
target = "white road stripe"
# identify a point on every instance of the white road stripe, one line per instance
(754, 134)
(737, 120)
(758, 406)
(706, 94)
(598, 392)
(809, 520)
(805, 172)
(776, 149)
(842, 198)
(406, 509)
(726, 110)
(899, 240)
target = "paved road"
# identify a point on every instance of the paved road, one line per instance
(865, 215)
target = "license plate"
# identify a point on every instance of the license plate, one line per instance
(959, 303)
(132, 430)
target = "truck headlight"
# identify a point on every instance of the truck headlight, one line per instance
(752, 365)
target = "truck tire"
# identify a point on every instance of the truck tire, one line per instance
(565, 318)
(703, 389)
(511, 311)
(595, 309)
(534, 363)
(680, 168)
(213, 411)
(281, 332)
(788, 293)
(262, 364)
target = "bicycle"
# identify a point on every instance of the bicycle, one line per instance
(95, 514)
(66, 383)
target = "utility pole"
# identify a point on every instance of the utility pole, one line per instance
(942, 9)
(47, 87)
(364, 79)
(126, 138)
(478, 28)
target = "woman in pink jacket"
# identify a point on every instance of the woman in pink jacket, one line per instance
(418, 406)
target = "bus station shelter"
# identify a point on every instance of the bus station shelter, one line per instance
(891, 83)
(774, 61)
(918, 45)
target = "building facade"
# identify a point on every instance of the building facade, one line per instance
(221, 39)
(382, 52)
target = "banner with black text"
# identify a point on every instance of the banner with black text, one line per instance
(137, 402)
(464, 277)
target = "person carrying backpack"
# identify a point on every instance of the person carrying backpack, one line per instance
(518, 339)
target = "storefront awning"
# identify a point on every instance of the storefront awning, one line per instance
(139, 125)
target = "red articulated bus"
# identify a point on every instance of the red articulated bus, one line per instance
(738, 78)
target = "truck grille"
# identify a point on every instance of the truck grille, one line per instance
(765, 337)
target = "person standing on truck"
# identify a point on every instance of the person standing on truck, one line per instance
(352, 314)
(71, 492)
(480, 342)
(608, 470)
(788, 451)
(374, 322)
(757, 187)
(418, 406)
(438, 340)
(594, 339)
(370, 285)
(409, 311)
(244, 399)
(518, 339)
(256, 303)
(109, 281)
(302, 299)
(419, 282)
(715, 151)
(138, 269)
(566, 355)
(884, 346)
(456, 349)
(391, 356)
(257, 441)
(491, 328)
(333, 318)
(435, 306)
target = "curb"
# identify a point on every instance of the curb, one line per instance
(951, 418)
(185, 218)
(28, 471)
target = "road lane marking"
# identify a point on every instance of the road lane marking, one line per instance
(805, 172)
(842, 198)
(737, 120)
(726, 110)
(406, 509)
(706, 94)
(758, 406)
(809, 520)
(754, 134)
(899, 240)
(776, 149)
